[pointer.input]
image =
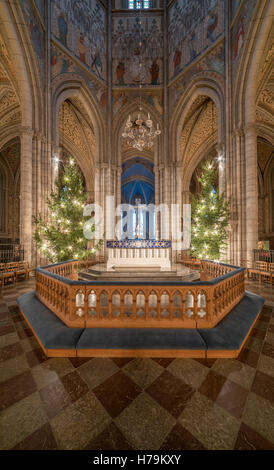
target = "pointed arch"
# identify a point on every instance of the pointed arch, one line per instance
(132, 109)
(75, 87)
(246, 83)
(198, 87)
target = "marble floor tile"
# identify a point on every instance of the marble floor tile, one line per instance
(122, 361)
(171, 393)
(20, 420)
(35, 356)
(180, 438)
(74, 385)
(97, 370)
(10, 351)
(212, 385)
(259, 415)
(263, 385)
(266, 365)
(78, 424)
(145, 423)
(109, 439)
(248, 439)
(190, 371)
(8, 339)
(254, 344)
(268, 349)
(41, 439)
(13, 367)
(249, 357)
(116, 393)
(50, 370)
(232, 398)
(55, 398)
(16, 388)
(236, 371)
(212, 425)
(143, 371)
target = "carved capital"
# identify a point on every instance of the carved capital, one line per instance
(37, 135)
(220, 148)
(26, 130)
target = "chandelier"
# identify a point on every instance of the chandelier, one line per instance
(139, 133)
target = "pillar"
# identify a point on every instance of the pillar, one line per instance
(26, 192)
(251, 192)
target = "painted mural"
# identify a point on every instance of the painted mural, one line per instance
(62, 64)
(40, 4)
(80, 26)
(193, 26)
(127, 52)
(36, 34)
(240, 31)
(153, 97)
(211, 64)
(235, 4)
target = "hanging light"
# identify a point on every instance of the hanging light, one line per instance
(139, 133)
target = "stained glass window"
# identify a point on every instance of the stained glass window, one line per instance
(137, 4)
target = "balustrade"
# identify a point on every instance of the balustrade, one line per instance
(184, 305)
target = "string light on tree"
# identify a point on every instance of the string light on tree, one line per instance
(62, 236)
(210, 217)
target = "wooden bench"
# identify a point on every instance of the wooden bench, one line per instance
(261, 271)
(22, 270)
(13, 271)
(6, 273)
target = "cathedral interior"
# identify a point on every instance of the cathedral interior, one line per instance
(140, 95)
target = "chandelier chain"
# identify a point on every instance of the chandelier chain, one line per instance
(139, 133)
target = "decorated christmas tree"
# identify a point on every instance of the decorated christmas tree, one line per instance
(60, 237)
(210, 217)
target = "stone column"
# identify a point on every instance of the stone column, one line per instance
(38, 172)
(221, 167)
(251, 191)
(26, 192)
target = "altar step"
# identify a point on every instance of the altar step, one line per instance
(125, 276)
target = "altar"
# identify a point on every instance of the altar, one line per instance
(131, 253)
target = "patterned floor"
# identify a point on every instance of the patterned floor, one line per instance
(106, 404)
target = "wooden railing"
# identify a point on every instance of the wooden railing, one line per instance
(158, 304)
(67, 269)
(215, 269)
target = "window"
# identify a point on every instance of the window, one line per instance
(137, 4)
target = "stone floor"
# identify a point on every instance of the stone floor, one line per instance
(127, 403)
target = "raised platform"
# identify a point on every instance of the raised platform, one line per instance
(177, 273)
(224, 340)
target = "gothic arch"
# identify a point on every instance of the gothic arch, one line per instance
(75, 88)
(132, 110)
(207, 147)
(246, 83)
(198, 87)
(15, 35)
(87, 171)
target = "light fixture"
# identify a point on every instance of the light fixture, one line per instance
(139, 133)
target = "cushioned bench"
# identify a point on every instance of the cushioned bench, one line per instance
(51, 332)
(232, 331)
(224, 340)
(147, 341)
